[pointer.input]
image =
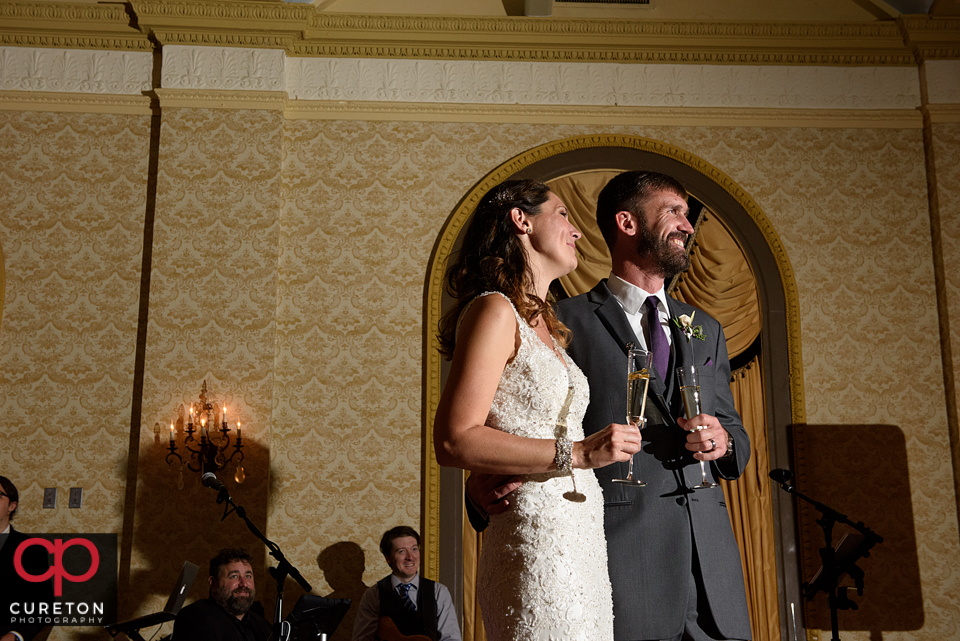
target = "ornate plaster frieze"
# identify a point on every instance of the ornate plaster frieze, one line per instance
(240, 69)
(943, 81)
(580, 115)
(71, 70)
(552, 83)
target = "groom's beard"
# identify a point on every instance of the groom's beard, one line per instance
(670, 259)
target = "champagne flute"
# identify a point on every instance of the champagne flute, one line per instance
(690, 393)
(638, 380)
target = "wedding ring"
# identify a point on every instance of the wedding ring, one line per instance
(713, 445)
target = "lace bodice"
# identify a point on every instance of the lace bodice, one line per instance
(543, 568)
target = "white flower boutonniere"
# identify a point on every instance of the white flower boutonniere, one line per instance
(685, 323)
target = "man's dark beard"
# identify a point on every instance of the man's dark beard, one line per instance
(670, 260)
(235, 604)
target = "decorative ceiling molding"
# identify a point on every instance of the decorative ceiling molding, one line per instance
(221, 99)
(74, 102)
(931, 38)
(302, 30)
(70, 26)
(271, 25)
(72, 70)
(942, 114)
(631, 116)
(592, 40)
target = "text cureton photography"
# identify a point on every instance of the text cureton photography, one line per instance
(65, 579)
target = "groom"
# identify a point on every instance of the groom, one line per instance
(673, 560)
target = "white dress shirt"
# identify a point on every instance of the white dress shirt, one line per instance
(633, 301)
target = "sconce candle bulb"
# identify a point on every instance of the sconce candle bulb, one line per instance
(209, 454)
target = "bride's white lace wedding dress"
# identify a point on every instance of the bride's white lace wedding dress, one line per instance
(543, 566)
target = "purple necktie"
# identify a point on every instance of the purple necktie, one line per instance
(658, 339)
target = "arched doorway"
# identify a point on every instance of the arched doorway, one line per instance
(774, 349)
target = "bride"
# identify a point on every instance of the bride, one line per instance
(512, 404)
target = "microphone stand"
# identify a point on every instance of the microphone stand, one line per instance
(281, 631)
(833, 567)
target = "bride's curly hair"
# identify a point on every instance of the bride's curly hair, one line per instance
(492, 258)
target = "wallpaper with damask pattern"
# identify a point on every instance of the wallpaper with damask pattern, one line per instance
(946, 150)
(213, 301)
(72, 193)
(288, 271)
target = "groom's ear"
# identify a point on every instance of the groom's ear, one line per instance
(627, 223)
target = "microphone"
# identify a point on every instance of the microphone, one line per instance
(210, 480)
(779, 475)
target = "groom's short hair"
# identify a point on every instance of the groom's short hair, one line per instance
(386, 542)
(626, 192)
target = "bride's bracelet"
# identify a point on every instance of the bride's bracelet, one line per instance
(563, 459)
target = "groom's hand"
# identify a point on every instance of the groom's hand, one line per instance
(490, 493)
(706, 438)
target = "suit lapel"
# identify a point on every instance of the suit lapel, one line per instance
(613, 318)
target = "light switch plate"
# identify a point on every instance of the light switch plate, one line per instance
(50, 497)
(76, 497)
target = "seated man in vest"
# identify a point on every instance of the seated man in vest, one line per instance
(404, 604)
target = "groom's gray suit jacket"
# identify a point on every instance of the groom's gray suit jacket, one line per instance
(655, 534)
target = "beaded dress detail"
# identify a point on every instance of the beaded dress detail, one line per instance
(543, 566)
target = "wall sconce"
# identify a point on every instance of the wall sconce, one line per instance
(206, 452)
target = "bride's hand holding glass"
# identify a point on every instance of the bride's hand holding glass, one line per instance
(613, 444)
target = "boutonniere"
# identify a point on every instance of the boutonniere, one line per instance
(685, 323)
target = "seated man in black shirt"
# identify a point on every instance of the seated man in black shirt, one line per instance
(403, 603)
(225, 615)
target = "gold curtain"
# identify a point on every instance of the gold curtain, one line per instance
(751, 510)
(719, 282)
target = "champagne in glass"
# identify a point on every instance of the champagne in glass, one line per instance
(638, 380)
(690, 393)
(637, 383)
